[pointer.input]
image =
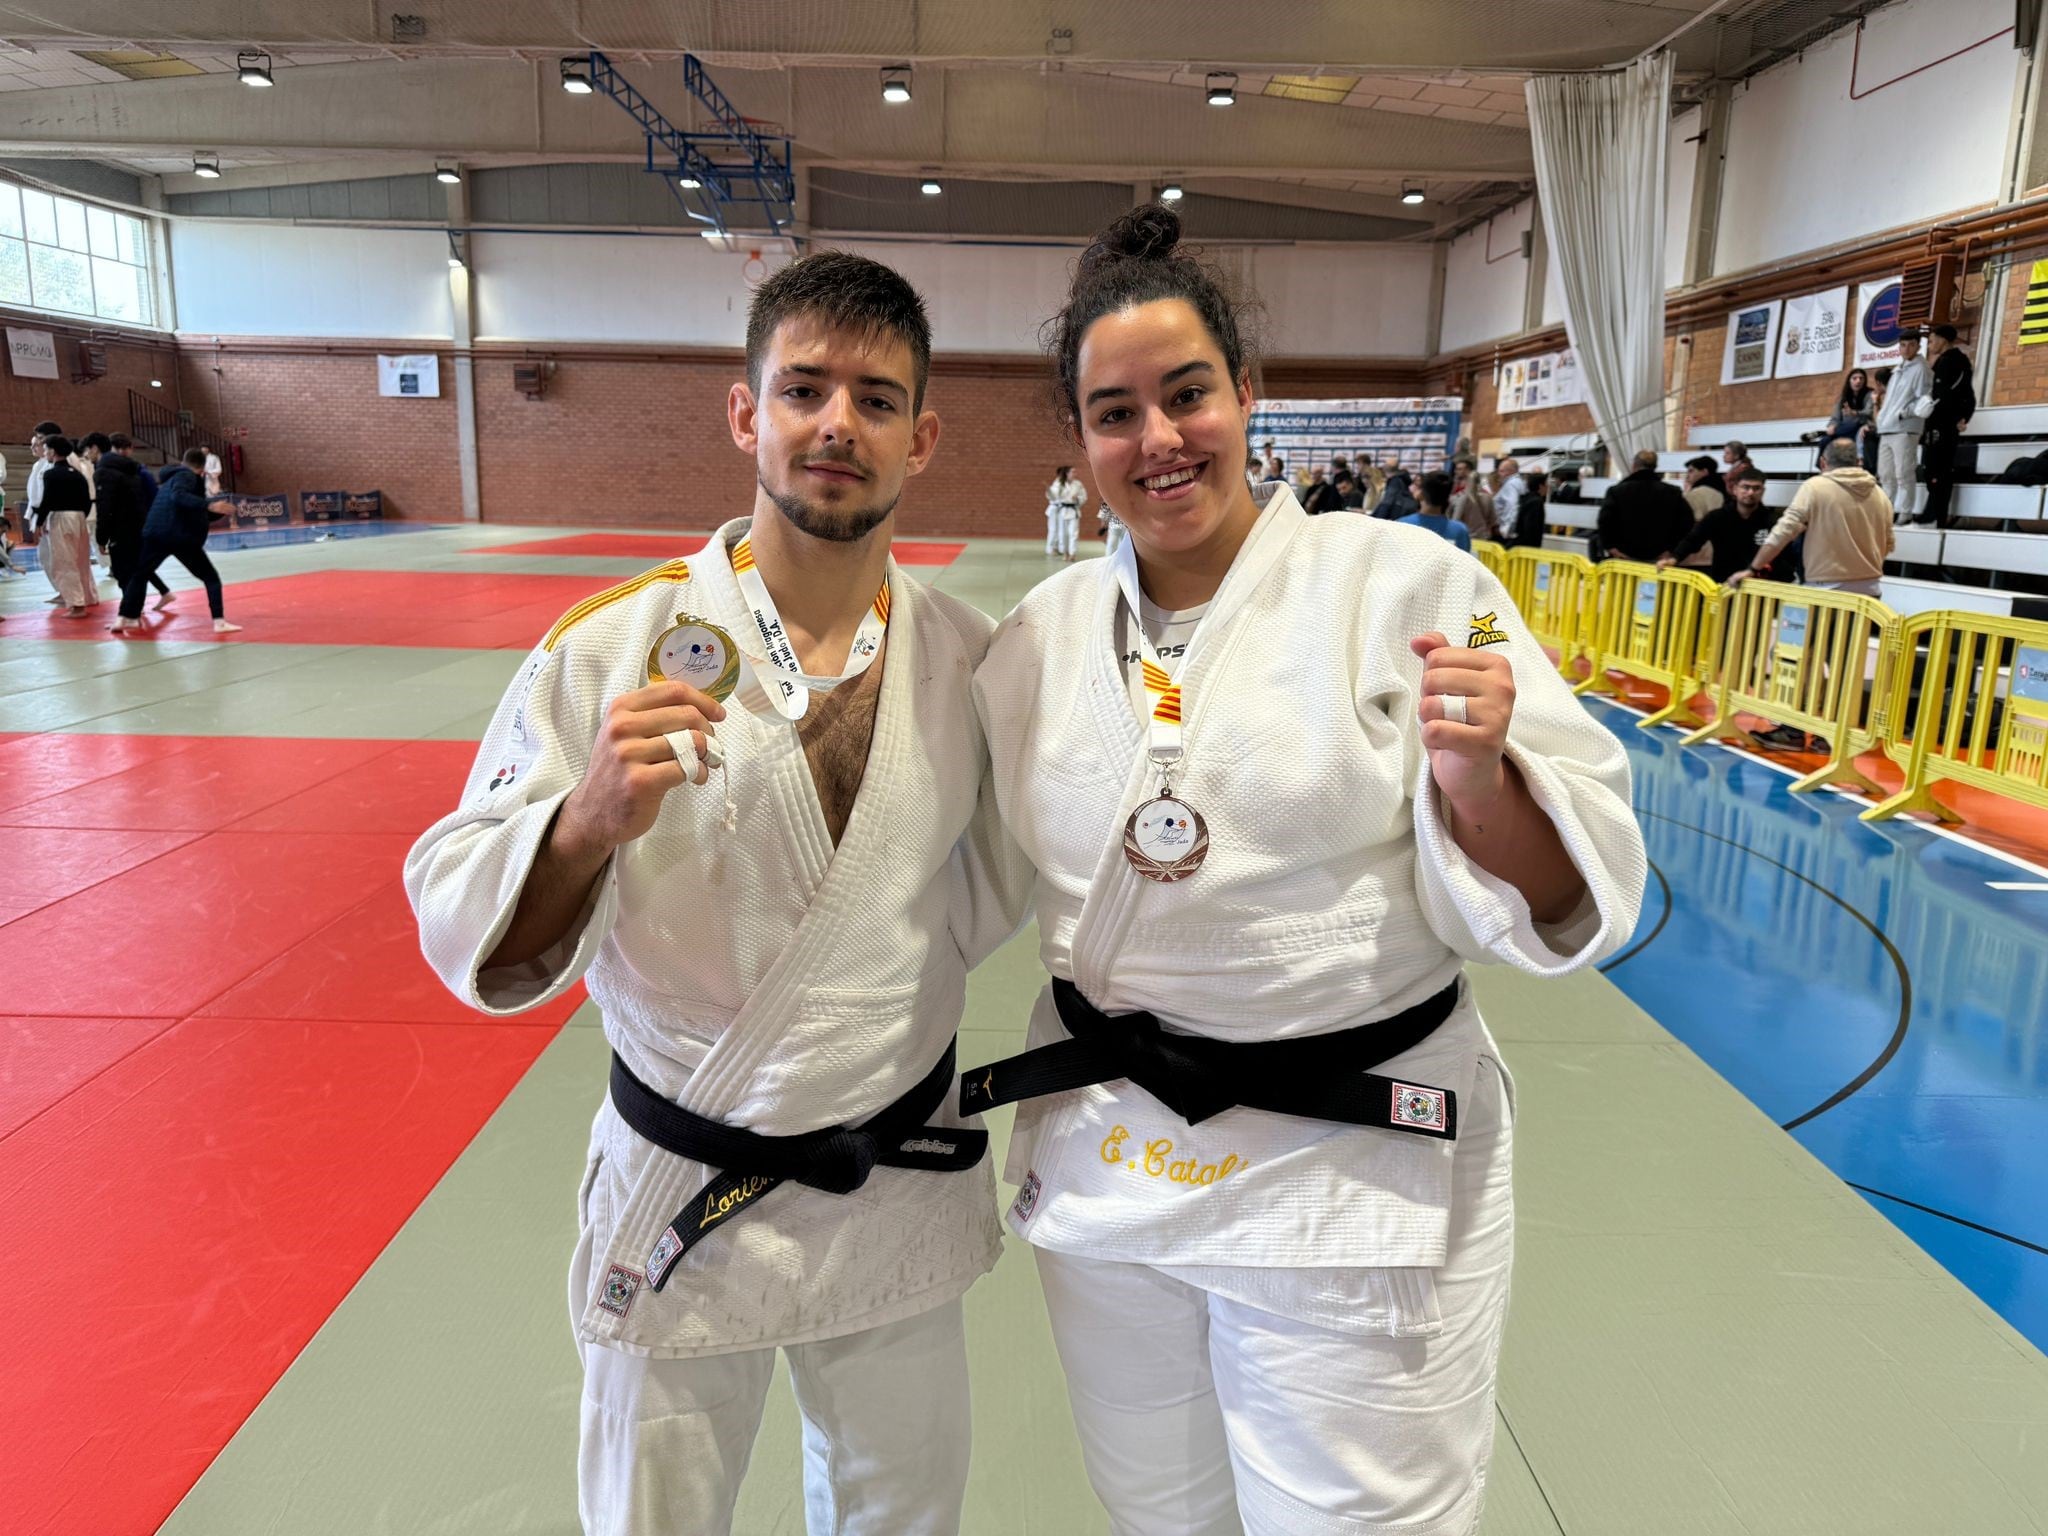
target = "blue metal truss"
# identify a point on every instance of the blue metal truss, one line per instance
(734, 163)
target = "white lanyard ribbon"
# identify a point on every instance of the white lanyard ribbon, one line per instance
(785, 682)
(1161, 691)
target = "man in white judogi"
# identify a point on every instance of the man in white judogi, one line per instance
(780, 949)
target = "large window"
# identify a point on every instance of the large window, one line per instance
(73, 258)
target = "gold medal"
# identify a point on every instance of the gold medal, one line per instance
(696, 651)
(1166, 840)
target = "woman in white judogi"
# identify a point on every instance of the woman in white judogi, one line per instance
(1279, 785)
(1063, 500)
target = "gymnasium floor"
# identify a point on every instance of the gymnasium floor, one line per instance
(283, 1228)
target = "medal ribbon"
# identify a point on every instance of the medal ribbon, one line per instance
(1163, 745)
(787, 684)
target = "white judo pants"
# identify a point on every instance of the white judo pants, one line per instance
(1201, 1416)
(1062, 529)
(665, 1443)
(65, 551)
(1898, 463)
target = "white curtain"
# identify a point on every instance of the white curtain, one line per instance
(1600, 142)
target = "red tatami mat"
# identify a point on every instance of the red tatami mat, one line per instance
(654, 547)
(180, 1227)
(412, 608)
(227, 1078)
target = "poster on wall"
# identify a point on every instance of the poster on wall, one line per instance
(1810, 336)
(415, 375)
(321, 506)
(1877, 322)
(32, 354)
(262, 511)
(1752, 337)
(1419, 433)
(1538, 383)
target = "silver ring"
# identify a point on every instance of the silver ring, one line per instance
(1454, 709)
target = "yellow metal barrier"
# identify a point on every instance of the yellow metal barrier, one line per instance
(1551, 589)
(1799, 656)
(1981, 670)
(1650, 624)
(1491, 555)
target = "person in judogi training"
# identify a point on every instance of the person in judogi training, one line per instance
(745, 793)
(1280, 778)
(1063, 500)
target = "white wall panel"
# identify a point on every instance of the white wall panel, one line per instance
(1486, 280)
(1808, 167)
(256, 280)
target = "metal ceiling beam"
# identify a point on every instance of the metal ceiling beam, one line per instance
(1290, 36)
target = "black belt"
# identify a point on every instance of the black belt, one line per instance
(837, 1160)
(1317, 1077)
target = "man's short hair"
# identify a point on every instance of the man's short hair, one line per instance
(1841, 453)
(1646, 458)
(848, 293)
(47, 429)
(98, 440)
(195, 458)
(60, 445)
(1910, 333)
(1704, 461)
(1945, 332)
(1745, 474)
(1536, 479)
(121, 441)
(1435, 489)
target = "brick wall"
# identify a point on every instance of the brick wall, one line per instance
(316, 423)
(2022, 376)
(100, 406)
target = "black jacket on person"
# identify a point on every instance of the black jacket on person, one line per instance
(1735, 538)
(1642, 516)
(1321, 497)
(64, 490)
(1398, 499)
(1955, 390)
(124, 499)
(1529, 520)
(180, 514)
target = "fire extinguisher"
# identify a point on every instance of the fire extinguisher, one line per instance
(235, 458)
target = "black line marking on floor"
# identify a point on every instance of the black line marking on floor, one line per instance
(1891, 1049)
(1502, 1409)
(1644, 943)
(1960, 1221)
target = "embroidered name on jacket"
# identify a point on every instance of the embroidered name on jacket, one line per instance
(1158, 1161)
(1486, 630)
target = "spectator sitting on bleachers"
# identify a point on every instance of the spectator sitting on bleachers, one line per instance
(1854, 408)
(1847, 522)
(1321, 495)
(1732, 533)
(1350, 496)
(1643, 514)
(1734, 460)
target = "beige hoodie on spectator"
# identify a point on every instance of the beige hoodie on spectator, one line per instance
(1847, 521)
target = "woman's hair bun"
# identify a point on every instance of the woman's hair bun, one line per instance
(1149, 233)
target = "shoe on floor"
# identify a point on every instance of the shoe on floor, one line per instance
(1818, 744)
(1783, 738)
(223, 627)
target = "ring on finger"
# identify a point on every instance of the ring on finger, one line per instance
(1454, 709)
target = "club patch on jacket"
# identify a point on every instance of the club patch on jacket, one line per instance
(1486, 630)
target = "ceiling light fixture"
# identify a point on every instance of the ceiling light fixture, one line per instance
(446, 174)
(576, 77)
(1222, 88)
(156, 383)
(1172, 192)
(253, 66)
(1411, 193)
(207, 166)
(930, 188)
(896, 83)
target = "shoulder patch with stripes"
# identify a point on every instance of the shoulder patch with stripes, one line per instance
(673, 571)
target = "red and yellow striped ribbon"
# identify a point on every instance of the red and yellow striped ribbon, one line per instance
(1167, 709)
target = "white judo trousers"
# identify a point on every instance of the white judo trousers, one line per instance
(1203, 1416)
(665, 1442)
(66, 555)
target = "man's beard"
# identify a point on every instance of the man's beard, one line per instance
(833, 527)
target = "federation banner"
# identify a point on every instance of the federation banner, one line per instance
(1877, 322)
(1419, 434)
(1810, 337)
(1752, 338)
